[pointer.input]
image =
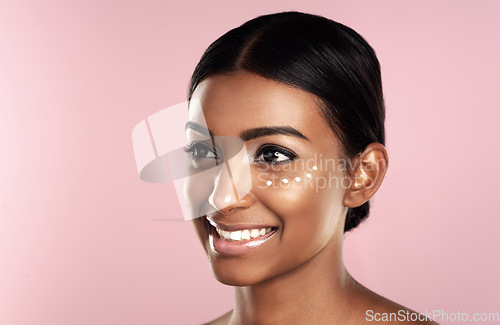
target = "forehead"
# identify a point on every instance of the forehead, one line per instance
(235, 102)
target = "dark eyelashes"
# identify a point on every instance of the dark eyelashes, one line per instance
(196, 147)
(274, 149)
(267, 153)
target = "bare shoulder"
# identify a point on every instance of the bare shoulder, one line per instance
(390, 312)
(223, 320)
(378, 309)
(368, 307)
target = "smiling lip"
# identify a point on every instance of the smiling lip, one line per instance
(239, 226)
(236, 245)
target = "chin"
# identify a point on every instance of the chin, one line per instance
(239, 274)
(232, 280)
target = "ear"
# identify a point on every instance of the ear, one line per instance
(367, 174)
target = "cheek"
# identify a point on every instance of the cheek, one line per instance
(308, 204)
(196, 193)
(197, 188)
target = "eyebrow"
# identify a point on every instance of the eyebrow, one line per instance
(198, 128)
(271, 130)
(250, 134)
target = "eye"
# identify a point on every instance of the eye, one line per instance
(271, 154)
(198, 150)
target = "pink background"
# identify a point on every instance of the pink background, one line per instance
(78, 239)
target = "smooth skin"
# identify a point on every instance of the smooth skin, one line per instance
(298, 276)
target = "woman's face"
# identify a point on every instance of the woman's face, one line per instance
(296, 182)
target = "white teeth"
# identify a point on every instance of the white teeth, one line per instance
(244, 234)
(236, 235)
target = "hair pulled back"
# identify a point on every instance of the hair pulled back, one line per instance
(317, 55)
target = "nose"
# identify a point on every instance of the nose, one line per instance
(242, 203)
(230, 191)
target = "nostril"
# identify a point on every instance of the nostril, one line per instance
(231, 203)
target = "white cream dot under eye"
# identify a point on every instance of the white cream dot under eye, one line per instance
(268, 183)
(285, 180)
(297, 179)
(308, 175)
(315, 167)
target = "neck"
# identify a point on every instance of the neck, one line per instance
(312, 293)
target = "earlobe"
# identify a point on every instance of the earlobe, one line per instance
(367, 175)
